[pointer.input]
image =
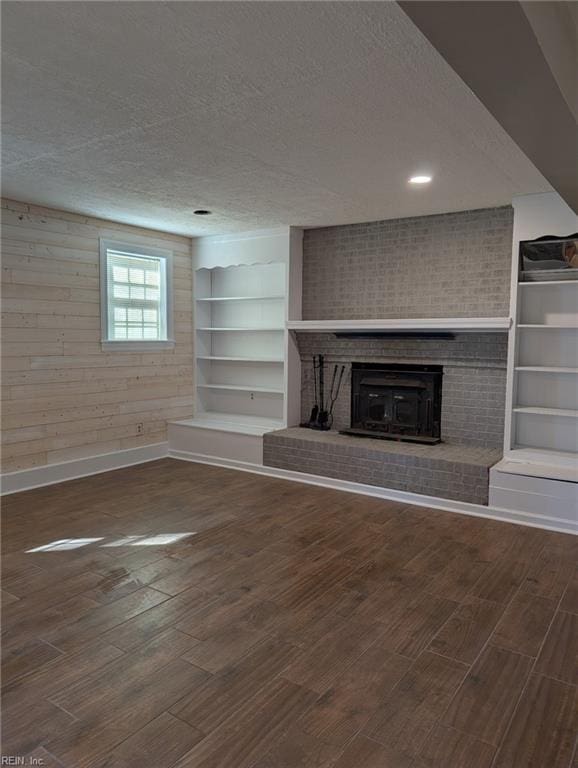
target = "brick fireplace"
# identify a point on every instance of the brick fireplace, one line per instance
(454, 265)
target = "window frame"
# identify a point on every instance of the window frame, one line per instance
(135, 249)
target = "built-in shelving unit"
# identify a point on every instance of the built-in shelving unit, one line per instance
(240, 317)
(545, 402)
(539, 471)
(246, 288)
(541, 439)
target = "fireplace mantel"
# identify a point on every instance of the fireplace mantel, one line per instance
(462, 324)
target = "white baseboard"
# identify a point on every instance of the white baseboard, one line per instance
(435, 502)
(37, 477)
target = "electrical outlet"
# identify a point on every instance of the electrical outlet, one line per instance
(139, 429)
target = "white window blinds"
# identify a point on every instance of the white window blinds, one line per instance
(136, 296)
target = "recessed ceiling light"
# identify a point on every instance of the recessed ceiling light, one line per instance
(420, 180)
(202, 212)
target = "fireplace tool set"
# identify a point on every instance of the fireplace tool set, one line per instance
(322, 411)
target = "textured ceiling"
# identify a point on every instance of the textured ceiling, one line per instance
(268, 114)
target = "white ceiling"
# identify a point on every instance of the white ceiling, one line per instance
(268, 114)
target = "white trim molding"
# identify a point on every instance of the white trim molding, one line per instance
(37, 477)
(166, 306)
(390, 494)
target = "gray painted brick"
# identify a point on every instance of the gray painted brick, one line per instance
(449, 265)
(447, 470)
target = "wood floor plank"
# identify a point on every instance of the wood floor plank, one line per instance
(404, 720)
(559, 655)
(297, 748)
(227, 691)
(64, 671)
(345, 708)
(99, 620)
(23, 660)
(161, 742)
(569, 602)
(549, 574)
(524, 624)
(414, 627)
(147, 624)
(544, 727)
(369, 754)
(487, 698)
(252, 731)
(458, 577)
(500, 581)
(216, 615)
(6, 598)
(317, 669)
(466, 632)
(223, 648)
(85, 740)
(100, 688)
(31, 723)
(23, 624)
(447, 747)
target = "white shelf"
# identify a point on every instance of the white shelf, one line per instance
(548, 282)
(241, 388)
(239, 298)
(230, 422)
(546, 411)
(542, 463)
(545, 369)
(553, 326)
(465, 324)
(223, 358)
(246, 329)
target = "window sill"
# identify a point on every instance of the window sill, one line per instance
(136, 346)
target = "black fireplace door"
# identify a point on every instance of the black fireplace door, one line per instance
(406, 409)
(390, 409)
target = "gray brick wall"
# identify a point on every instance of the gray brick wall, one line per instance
(474, 381)
(449, 265)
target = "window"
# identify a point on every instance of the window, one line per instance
(135, 294)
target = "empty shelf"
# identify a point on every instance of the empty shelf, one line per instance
(553, 326)
(240, 298)
(536, 411)
(545, 369)
(241, 359)
(241, 388)
(548, 282)
(272, 328)
(540, 462)
(232, 422)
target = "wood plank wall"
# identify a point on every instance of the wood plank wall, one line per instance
(63, 397)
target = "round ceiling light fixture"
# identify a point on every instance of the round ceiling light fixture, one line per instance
(202, 212)
(420, 179)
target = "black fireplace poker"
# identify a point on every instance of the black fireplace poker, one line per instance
(322, 412)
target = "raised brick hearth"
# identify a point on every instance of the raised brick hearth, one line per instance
(448, 470)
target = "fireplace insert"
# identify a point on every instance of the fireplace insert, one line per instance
(396, 402)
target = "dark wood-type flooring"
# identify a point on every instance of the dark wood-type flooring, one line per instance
(298, 627)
